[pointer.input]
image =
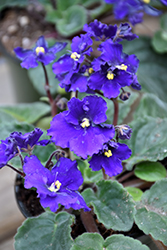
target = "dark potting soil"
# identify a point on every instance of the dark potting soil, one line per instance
(27, 199)
(21, 27)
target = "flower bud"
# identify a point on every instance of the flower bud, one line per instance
(62, 103)
(123, 131)
(124, 96)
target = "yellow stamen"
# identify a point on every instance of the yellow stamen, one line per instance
(75, 56)
(108, 153)
(39, 50)
(122, 67)
(55, 186)
(146, 1)
(90, 70)
(110, 75)
(85, 123)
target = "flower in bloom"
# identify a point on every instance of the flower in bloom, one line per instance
(10, 147)
(113, 70)
(124, 131)
(102, 31)
(40, 53)
(8, 150)
(110, 158)
(56, 186)
(82, 127)
(133, 9)
(67, 68)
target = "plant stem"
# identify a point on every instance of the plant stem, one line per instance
(47, 88)
(116, 110)
(105, 176)
(16, 170)
(89, 222)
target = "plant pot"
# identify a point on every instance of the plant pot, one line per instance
(27, 200)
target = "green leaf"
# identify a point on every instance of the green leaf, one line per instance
(112, 204)
(37, 78)
(44, 123)
(148, 140)
(150, 171)
(4, 117)
(159, 41)
(124, 108)
(73, 20)
(92, 241)
(7, 128)
(88, 241)
(87, 173)
(117, 242)
(152, 73)
(135, 192)
(163, 22)
(47, 231)
(151, 105)
(27, 112)
(64, 4)
(53, 15)
(151, 215)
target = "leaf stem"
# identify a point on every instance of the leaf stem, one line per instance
(16, 170)
(47, 88)
(89, 222)
(116, 110)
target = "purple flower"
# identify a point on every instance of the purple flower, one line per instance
(133, 9)
(40, 53)
(110, 158)
(9, 148)
(56, 186)
(124, 131)
(82, 127)
(27, 141)
(100, 30)
(113, 70)
(68, 68)
(124, 32)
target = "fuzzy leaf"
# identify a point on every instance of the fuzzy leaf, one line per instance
(92, 241)
(159, 41)
(151, 215)
(148, 140)
(135, 192)
(152, 73)
(27, 112)
(87, 173)
(112, 204)
(73, 20)
(150, 171)
(64, 4)
(47, 231)
(88, 241)
(117, 242)
(151, 105)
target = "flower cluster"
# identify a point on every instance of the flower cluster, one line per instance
(82, 128)
(109, 72)
(17, 142)
(133, 9)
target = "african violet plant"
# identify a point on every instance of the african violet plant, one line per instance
(77, 169)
